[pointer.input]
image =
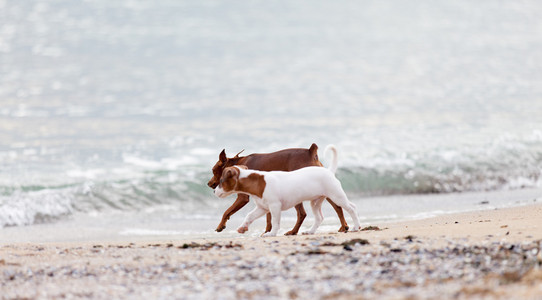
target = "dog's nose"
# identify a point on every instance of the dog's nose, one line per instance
(212, 184)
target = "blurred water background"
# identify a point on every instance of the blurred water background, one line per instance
(117, 110)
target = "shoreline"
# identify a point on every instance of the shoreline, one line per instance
(174, 222)
(480, 254)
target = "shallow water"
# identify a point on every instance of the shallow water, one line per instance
(170, 222)
(122, 107)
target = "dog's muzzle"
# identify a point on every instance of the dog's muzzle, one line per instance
(220, 193)
(212, 184)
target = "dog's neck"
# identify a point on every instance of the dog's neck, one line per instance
(235, 161)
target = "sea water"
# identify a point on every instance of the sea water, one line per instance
(112, 113)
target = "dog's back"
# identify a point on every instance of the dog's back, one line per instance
(284, 160)
(306, 183)
(303, 184)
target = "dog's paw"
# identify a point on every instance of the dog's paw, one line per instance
(291, 232)
(267, 234)
(220, 228)
(356, 228)
(242, 229)
(344, 229)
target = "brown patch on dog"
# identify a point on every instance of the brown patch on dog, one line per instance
(253, 184)
(229, 179)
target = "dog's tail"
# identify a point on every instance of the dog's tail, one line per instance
(334, 159)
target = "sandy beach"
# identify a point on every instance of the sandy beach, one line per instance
(484, 254)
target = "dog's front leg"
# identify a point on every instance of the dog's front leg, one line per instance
(241, 201)
(253, 215)
(275, 210)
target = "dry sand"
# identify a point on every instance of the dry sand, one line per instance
(478, 255)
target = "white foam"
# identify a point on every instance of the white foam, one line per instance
(203, 151)
(172, 163)
(140, 162)
(88, 174)
(34, 207)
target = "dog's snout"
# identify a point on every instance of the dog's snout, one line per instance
(220, 193)
(212, 184)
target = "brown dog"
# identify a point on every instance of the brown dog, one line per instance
(284, 160)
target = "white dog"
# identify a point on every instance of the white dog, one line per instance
(276, 191)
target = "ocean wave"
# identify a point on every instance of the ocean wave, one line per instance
(371, 182)
(504, 164)
(26, 205)
(35, 207)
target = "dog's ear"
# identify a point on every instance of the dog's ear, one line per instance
(313, 150)
(237, 155)
(229, 173)
(222, 156)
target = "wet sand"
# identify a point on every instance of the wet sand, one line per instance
(485, 254)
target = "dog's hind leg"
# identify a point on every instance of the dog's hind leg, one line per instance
(301, 214)
(354, 214)
(350, 207)
(339, 211)
(316, 206)
(268, 225)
